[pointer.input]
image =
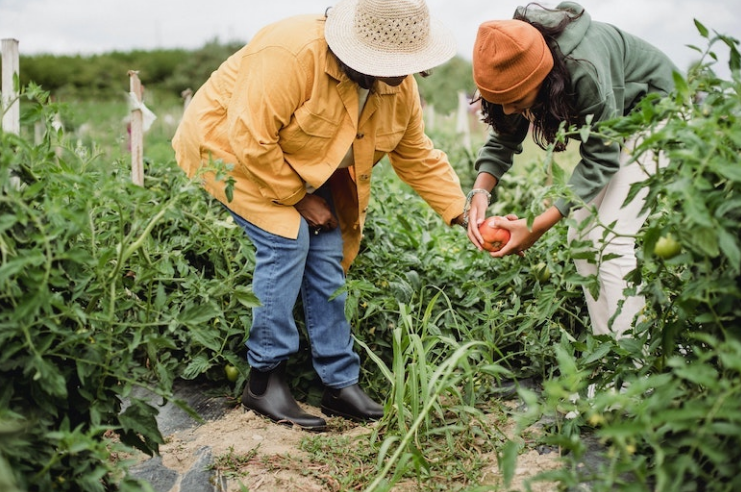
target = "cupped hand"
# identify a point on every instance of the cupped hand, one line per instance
(521, 238)
(476, 216)
(474, 226)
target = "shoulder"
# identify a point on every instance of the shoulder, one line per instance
(594, 93)
(295, 34)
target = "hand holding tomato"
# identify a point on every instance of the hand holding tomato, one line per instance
(494, 238)
(516, 238)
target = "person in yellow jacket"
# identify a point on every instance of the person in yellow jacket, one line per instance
(301, 115)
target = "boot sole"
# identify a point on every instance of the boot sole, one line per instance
(287, 423)
(361, 420)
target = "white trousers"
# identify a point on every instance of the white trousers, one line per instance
(619, 241)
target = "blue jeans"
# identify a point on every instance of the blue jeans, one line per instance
(310, 265)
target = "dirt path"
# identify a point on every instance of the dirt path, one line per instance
(263, 456)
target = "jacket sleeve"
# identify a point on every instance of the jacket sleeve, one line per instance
(496, 156)
(257, 111)
(426, 169)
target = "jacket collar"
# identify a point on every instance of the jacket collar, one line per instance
(347, 90)
(332, 68)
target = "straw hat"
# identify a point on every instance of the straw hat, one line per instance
(510, 59)
(387, 38)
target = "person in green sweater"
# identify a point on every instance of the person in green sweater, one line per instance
(545, 67)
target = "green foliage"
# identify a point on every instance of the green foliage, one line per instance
(443, 324)
(171, 71)
(428, 370)
(106, 75)
(441, 88)
(104, 286)
(696, 199)
(666, 408)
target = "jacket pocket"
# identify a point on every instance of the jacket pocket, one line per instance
(308, 133)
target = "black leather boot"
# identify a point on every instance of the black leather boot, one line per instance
(351, 403)
(267, 394)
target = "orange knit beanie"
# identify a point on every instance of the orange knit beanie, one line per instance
(510, 59)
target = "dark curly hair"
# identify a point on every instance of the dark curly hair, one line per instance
(556, 100)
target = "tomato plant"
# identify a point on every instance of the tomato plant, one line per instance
(105, 286)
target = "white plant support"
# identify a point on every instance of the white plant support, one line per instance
(11, 122)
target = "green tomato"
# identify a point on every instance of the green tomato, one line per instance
(667, 247)
(232, 373)
(542, 272)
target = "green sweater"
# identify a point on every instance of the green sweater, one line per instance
(611, 71)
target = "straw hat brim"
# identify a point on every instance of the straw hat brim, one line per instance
(339, 32)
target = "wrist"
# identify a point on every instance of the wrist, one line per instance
(469, 197)
(546, 220)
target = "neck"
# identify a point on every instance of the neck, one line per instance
(365, 81)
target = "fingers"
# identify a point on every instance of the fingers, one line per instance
(476, 217)
(330, 225)
(511, 250)
(519, 240)
(510, 223)
(475, 235)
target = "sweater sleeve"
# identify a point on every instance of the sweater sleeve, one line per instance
(496, 156)
(423, 167)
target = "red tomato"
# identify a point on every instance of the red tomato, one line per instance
(494, 237)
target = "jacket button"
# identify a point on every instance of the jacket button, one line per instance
(364, 177)
(360, 135)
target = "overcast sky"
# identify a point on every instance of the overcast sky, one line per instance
(97, 26)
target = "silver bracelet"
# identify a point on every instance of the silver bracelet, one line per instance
(469, 197)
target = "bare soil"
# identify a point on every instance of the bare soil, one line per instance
(252, 452)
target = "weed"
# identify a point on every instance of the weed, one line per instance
(231, 464)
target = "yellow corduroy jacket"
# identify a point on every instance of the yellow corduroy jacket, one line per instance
(282, 112)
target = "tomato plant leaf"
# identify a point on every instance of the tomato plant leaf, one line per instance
(729, 246)
(198, 315)
(246, 297)
(701, 28)
(197, 366)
